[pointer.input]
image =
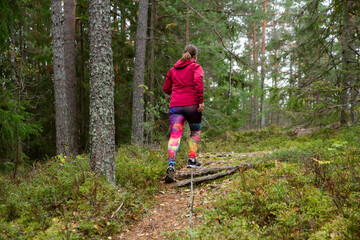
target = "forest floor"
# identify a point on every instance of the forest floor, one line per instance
(171, 211)
(274, 185)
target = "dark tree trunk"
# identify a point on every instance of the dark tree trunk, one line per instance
(83, 95)
(61, 108)
(102, 126)
(187, 27)
(123, 17)
(70, 70)
(139, 66)
(150, 72)
(348, 63)
(230, 72)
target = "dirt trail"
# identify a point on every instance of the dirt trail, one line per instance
(171, 211)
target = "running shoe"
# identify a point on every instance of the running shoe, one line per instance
(193, 164)
(170, 174)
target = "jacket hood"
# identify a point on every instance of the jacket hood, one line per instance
(182, 64)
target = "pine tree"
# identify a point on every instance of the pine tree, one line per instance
(349, 64)
(70, 71)
(60, 88)
(102, 126)
(138, 85)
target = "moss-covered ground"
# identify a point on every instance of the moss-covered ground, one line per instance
(307, 188)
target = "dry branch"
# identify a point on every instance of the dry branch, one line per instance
(212, 177)
(113, 215)
(206, 171)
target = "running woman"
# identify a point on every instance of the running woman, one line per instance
(184, 84)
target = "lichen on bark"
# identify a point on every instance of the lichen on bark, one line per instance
(102, 123)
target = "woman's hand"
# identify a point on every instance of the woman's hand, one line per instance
(201, 107)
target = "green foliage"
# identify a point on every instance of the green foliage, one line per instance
(143, 167)
(247, 141)
(16, 126)
(61, 199)
(309, 191)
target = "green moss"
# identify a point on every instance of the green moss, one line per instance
(62, 199)
(306, 189)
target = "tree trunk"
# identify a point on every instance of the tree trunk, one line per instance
(262, 122)
(123, 17)
(139, 66)
(70, 71)
(255, 80)
(150, 115)
(83, 106)
(276, 112)
(187, 26)
(251, 100)
(349, 58)
(230, 72)
(61, 108)
(102, 124)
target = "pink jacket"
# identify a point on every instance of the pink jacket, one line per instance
(184, 84)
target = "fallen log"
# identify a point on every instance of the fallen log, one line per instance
(205, 171)
(186, 182)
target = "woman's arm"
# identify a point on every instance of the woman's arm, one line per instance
(199, 85)
(167, 88)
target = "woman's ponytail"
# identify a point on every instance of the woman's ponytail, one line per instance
(189, 52)
(186, 56)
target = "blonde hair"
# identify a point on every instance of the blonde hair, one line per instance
(189, 52)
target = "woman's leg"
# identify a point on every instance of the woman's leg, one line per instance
(176, 129)
(194, 119)
(194, 139)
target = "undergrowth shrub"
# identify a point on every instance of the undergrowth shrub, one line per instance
(308, 188)
(61, 199)
(247, 141)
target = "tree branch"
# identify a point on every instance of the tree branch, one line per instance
(199, 14)
(184, 183)
(229, 51)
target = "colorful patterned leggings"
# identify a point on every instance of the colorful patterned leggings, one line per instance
(177, 116)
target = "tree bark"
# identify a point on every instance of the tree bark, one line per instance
(150, 65)
(276, 112)
(349, 58)
(187, 27)
(102, 124)
(70, 71)
(230, 72)
(139, 66)
(83, 106)
(251, 100)
(347, 62)
(255, 80)
(262, 122)
(123, 17)
(61, 108)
